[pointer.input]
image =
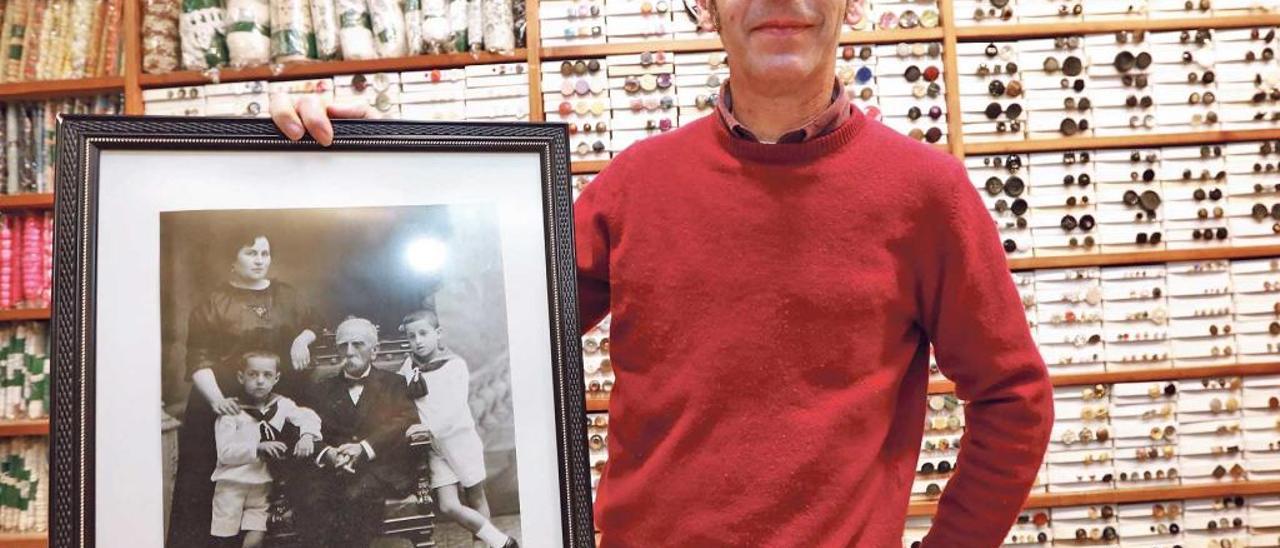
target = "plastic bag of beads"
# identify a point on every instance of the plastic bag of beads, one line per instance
(475, 25)
(413, 26)
(160, 41)
(355, 30)
(518, 17)
(291, 36)
(437, 30)
(202, 27)
(249, 32)
(458, 24)
(499, 21)
(324, 22)
(388, 28)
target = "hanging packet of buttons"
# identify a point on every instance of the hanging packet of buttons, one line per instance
(437, 28)
(324, 23)
(413, 27)
(249, 32)
(499, 22)
(458, 21)
(204, 44)
(475, 25)
(388, 28)
(355, 30)
(291, 36)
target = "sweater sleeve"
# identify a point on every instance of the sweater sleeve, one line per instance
(592, 242)
(975, 320)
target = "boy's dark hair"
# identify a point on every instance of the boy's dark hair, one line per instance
(419, 315)
(244, 358)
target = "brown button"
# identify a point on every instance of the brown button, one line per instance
(1013, 88)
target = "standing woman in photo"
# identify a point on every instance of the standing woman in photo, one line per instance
(249, 311)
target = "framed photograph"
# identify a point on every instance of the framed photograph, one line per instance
(260, 342)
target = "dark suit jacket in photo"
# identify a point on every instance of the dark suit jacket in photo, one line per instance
(381, 418)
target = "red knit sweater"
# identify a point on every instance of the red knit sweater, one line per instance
(772, 310)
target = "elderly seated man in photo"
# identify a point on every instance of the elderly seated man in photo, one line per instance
(364, 456)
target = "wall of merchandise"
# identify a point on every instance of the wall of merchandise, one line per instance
(1129, 153)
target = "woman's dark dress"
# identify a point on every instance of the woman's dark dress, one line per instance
(228, 323)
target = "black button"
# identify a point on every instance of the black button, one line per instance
(1068, 223)
(1086, 223)
(1010, 246)
(1014, 186)
(1018, 207)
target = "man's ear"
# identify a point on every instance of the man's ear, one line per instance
(706, 15)
(854, 11)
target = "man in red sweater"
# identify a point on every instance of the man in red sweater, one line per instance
(776, 273)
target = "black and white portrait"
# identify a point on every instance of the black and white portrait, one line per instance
(337, 376)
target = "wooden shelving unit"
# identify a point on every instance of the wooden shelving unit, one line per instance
(33, 427)
(1126, 141)
(132, 82)
(1041, 30)
(24, 314)
(1124, 495)
(1145, 257)
(51, 89)
(27, 201)
(24, 540)
(601, 404)
(297, 71)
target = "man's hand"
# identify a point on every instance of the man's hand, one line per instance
(335, 458)
(273, 449)
(418, 432)
(305, 447)
(310, 115)
(227, 406)
(353, 451)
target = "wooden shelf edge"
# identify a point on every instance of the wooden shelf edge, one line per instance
(1140, 375)
(26, 427)
(1144, 257)
(27, 201)
(297, 71)
(597, 405)
(593, 166)
(50, 89)
(695, 45)
(24, 540)
(1039, 30)
(24, 314)
(1122, 141)
(1118, 496)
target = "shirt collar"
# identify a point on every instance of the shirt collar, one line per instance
(835, 115)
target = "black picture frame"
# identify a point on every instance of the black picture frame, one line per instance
(81, 140)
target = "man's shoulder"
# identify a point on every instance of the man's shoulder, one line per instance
(383, 376)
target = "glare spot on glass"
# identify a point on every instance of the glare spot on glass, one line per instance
(426, 254)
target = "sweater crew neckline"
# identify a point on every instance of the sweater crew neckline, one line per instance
(784, 153)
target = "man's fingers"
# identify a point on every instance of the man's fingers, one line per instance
(351, 110)
(316, 119)
(285, 117)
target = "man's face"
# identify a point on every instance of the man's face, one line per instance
(259, 376)
(356, 345)
(423, 337)
(775, 40)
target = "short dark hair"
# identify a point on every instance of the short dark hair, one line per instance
(244, 358)
(419, 315)
(239, 238)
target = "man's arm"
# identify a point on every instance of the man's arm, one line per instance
(976, 322)
(592, 241)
